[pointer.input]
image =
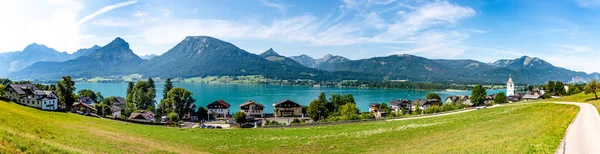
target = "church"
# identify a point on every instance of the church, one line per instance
(510, 87)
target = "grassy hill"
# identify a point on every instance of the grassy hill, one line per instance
(581, 97)
(532, 128)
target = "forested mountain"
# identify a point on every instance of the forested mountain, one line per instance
(206, 56)
(18, 60)
(113, 59)
(325, 63)
(273, 56)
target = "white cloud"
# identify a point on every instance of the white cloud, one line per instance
(104, 10)
(280, 7)
(140, 14)
(53, 23)
(569, 48)
(588, 3)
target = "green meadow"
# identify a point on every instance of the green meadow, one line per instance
(529, 128)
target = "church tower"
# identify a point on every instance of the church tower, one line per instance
(510, 87)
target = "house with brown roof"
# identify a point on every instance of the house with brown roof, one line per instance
(145, 116)
(287, 108)
(87, 100)
(251, 108)
(30, 95)
(400, 104)
(425, 103)
(79, 106)
(218, 108)
(376, 110)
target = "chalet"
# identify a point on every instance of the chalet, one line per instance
(218, 108)
(30, 95)
(78, 106)
(456, 99)
(400, 104)
(490, 99)
(376, 110)
(251, 108)
(87, 100)
(424, 104)
(120, 102)
(191, 115)
(287, 108)
(529, 97)
(116, 111)
(145, 116)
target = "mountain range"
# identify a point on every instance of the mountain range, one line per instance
(18, 60)
(203, 56)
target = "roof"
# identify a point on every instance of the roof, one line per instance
(87, 106)
(510, 80)
(420, 101)
(120, 100)
(453, 98)
(222, 102)
(374, 104)
(251, 102)
(86, 100)
(529, 96)
(283, 101)
(144, 115)
(115, 108)
(399, 101)
(23, 89)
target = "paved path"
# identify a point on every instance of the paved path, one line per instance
(583, 135)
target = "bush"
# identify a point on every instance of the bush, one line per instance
(334, 118)
(296, 121)
(392, 114)
(354, 117)
(173, 116)
(367, 115)
(239, 117)
(433, 109)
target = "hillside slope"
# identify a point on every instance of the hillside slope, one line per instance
(28, 130)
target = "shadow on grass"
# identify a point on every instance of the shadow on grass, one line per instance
(592, 99)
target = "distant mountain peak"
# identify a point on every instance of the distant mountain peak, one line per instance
(269, 53)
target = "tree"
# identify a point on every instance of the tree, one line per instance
(348, 109)
(5, 81)
(129, 97)
(384, 106)
(239, 117)
(559, 88)
(550, 86)
(99, 97)
(433, 96)
(168, 87)
(317, 110)
(181, 100)
(65, 89)
(202, 113)
(2, 87)
(88, 93)
(478, 95)
(173, 117)
(500, 98)
(591, 87)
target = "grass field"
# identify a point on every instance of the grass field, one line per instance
(532, 128)
(589, 98)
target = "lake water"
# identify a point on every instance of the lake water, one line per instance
(236, 94)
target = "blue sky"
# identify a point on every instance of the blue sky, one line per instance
(561, 32)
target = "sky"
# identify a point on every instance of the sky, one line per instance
(562, 32)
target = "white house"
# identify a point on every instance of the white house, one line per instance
(218, 108)
(252, 108)
(30, 95)
(510, 87)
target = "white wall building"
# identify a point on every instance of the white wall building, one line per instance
(510, 87)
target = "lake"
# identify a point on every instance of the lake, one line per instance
(236, 94)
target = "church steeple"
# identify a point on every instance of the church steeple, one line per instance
(510, 87)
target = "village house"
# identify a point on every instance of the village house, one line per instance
(490, 99)
(87, 100)
(376, 110)
(30, 95)
(191, 115)
(451, 99)
(287, 108)
(424, 104)
(400, 104)
(120, 102)
(116, 111)
(529, 97)
(218, 108)
(251, 108)
(144, 116)
(82, 107)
